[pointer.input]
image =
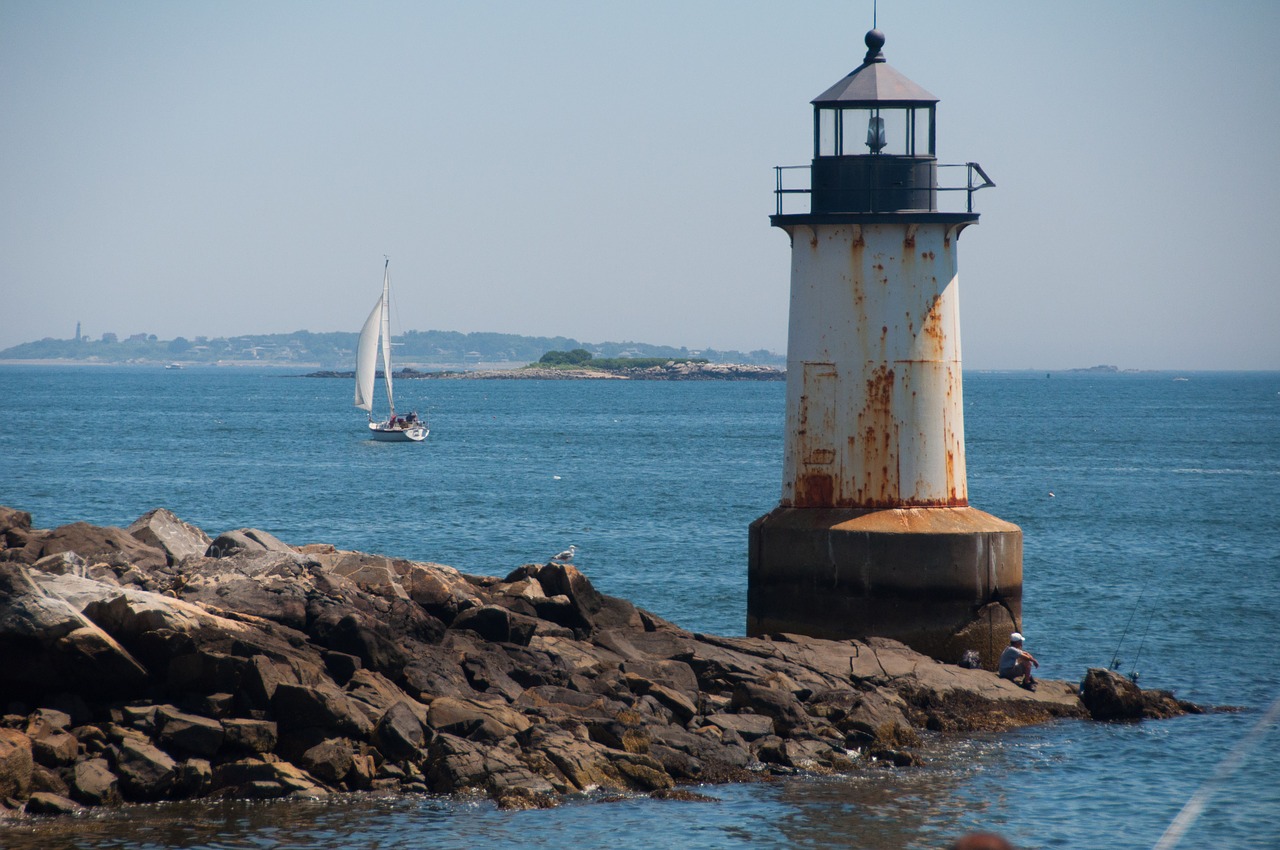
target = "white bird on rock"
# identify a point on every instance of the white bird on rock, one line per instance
(566, 555)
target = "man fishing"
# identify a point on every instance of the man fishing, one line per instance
(1016, 662)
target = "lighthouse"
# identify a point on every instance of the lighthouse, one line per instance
(874, 534)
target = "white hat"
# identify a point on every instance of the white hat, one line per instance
(1015, 638)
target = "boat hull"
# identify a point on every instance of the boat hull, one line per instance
(382, 433)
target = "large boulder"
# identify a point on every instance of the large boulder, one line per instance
(50, 647)
(146, 772)
(330, 760)
(188, 733)
(246, 735)
(249, 540)
(16, 764)
(98, 543)
(93, 783)
(319, 707)
(398, 733)
(1110, 696)
(589, 609)
(260, 779)
(161, 529)
(18, 540)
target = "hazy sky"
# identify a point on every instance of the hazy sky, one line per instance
(604, 170)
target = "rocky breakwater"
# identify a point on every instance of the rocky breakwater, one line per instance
(154, 663)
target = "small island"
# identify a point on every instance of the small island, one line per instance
(580, 364)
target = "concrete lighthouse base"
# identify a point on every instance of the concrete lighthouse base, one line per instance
(941, 580)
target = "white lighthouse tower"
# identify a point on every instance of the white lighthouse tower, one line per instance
(874, 535)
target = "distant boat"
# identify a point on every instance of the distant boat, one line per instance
(174, 366)
(375, 336)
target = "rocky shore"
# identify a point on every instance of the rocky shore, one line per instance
(672, 371)
(156, 663)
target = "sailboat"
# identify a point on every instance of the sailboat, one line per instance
(375, 336)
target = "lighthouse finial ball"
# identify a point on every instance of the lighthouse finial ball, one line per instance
(874, 41)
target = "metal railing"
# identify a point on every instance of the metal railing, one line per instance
(782, 187)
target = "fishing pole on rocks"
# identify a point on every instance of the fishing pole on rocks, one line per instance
(1133, 670)
(1115, 656)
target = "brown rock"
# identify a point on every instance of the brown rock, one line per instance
(161, 529)
(45, 803)
(398, 733)
(61, 563)
(48, 779)
(146, 772)
(14, 520)
(97, 543)
(497, 624)
(329, 761)
(320, 706)
(260, 678)
(55, 748)
(16, 764)
(188, 733)
(642, 772)
(749, 726)
(246, 735)
(475, 720)
(786, 710)
(194, 778)
(246, 540)
(1110, 696)
(93, 783)
(591, 609)
(259, 779)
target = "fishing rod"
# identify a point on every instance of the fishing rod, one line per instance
(1115, 656)
(1133, 671)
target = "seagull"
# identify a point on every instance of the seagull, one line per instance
(566, 555)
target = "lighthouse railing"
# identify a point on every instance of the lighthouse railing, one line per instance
(783, 175)
(797, 180)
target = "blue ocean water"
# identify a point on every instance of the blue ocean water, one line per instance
(1151, 516)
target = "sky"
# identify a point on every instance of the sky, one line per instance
(604, 170)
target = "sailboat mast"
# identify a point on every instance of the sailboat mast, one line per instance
(386, 336)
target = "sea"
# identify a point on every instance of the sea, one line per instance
(1149, 504)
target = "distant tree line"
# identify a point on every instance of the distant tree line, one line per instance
(581, 358)
(337, 349)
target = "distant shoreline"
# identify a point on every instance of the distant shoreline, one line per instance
(675, 371)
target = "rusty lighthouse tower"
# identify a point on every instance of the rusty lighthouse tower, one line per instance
(874, 535)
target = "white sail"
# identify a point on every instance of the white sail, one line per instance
(367, 355)
(386, 335)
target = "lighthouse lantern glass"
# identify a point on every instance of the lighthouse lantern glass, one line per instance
(898, 131)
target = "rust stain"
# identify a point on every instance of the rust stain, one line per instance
(933, 331)
(878, 449)
(815, 490)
